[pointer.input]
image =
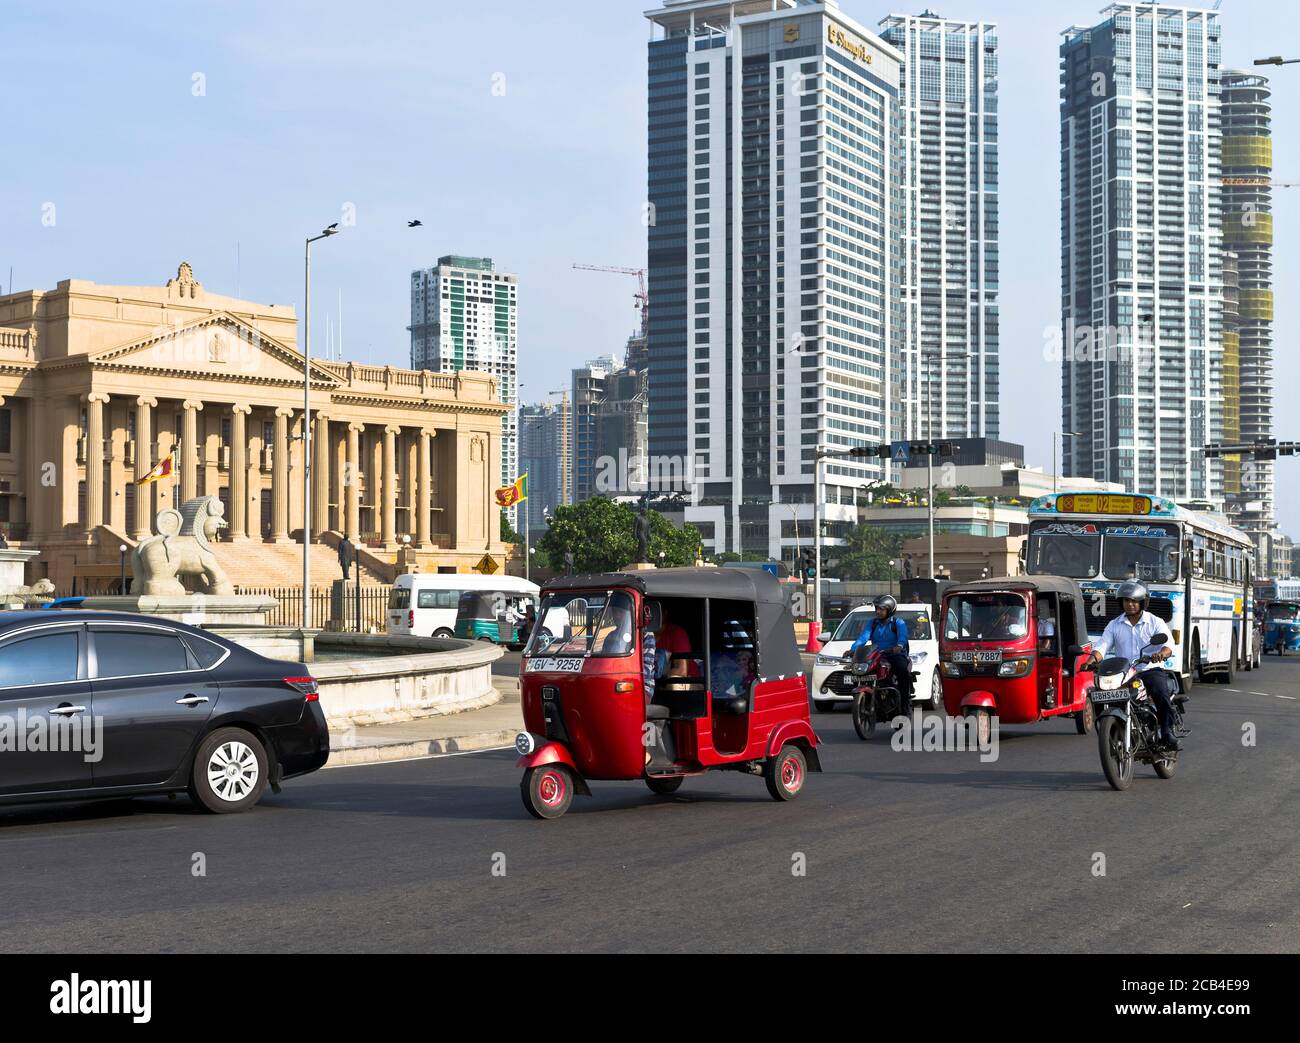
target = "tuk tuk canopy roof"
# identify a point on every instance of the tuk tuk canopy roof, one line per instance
(778, 655)
(1061, 586)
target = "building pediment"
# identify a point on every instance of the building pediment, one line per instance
(219, 346)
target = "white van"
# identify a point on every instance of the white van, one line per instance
(423, 604)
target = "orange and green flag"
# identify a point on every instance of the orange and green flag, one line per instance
(509, 495)
(166, 466)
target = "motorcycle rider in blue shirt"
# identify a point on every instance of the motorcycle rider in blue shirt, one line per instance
(888, 634)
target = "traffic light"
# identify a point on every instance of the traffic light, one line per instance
(809, 564)
(870, 450)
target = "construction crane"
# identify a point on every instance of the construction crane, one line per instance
(642, 298)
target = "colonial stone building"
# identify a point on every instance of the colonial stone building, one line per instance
(98, 383)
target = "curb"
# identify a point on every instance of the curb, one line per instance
(420, 748)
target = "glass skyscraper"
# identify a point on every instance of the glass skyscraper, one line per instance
(463, 316)
(1141, 294)
(774, 205)
(949, 124)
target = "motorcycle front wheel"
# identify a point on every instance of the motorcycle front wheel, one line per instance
(864, 714)
(1116, 762)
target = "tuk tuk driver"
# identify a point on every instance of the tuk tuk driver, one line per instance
(888, 634)
(1128, 635)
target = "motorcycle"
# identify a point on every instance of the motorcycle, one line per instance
(1128, 723)
(878, 694)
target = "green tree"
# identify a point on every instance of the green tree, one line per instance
(601, 533)
(866, 554)
(508, 534)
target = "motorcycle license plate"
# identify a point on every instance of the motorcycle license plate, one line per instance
(970, 655)
(1119, 695)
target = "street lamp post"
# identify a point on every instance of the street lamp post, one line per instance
(121, 571)
(1063, 435)
(306, 423)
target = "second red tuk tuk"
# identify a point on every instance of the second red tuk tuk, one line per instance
(1014, 648)
(659, 675)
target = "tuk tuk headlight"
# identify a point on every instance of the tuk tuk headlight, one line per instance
(1013, 668)
(525, 743)
(949, 669)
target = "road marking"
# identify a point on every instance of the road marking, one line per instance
(1291, 697)
(1237, 690)
(93, 833)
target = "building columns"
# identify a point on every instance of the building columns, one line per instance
(280, 478)
(239, 512)
(352, 484)
(423, 487)
(95, 402)
(387, 498)
(142, 524)
(190, 449)
(320, 475)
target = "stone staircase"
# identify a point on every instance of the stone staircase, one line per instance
(260, 565)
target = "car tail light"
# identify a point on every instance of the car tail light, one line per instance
(306, 685)
(410, 620)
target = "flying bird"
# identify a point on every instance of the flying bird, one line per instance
(414, 224)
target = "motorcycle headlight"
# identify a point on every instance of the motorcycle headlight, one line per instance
(1109, 682)
(859, 668)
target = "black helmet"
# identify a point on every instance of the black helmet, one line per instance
(887, 602)
(1134, 591)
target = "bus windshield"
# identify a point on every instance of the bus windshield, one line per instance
(1064, 549)
(1141, 550)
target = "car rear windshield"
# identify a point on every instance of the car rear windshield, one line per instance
(400, 598)
(598, 623)
(986, 617)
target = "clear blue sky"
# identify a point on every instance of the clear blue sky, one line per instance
(399, 110)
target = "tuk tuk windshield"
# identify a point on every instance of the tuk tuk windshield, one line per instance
(986, 617)
(597, 623)
(1284, 610)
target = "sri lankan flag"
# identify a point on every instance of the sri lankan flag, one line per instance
(166, 466)
(509, 495)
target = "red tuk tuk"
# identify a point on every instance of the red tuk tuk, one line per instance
(720, 688)
(1014, 648)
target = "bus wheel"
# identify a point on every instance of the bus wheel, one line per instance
(1229, 669)
(1201, 676)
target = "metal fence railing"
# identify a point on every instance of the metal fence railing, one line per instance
(332, 608)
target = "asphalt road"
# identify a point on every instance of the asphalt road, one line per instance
(903, 852)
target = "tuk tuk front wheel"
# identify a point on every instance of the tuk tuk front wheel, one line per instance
(983, 723)
(864, 714)
(1085, 718)
(665, 786)
(785, 773)
(547, 790)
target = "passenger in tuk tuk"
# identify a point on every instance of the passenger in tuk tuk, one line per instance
(1046, 628)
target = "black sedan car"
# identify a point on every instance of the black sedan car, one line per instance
(110, 704)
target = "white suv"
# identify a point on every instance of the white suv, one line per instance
(833, 681)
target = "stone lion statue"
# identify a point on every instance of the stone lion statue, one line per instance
(183, 547)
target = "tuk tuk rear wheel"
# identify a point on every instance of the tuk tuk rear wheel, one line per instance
(1084, 719)
(547, 790)
(665, 786)
(785, 773)
(864, 714)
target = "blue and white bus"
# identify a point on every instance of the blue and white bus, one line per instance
(1199, 569)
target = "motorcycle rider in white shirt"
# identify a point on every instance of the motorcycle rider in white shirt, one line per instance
(1128, 635)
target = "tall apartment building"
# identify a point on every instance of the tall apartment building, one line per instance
(587, 393)
(773, 179)
(1247, 158)
(463, 316)
(544, 455)
(1140, 246)
(948, 105)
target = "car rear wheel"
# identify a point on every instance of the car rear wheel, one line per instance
(547, 791)
(444, 632)
(229, 772)
(785, 773)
